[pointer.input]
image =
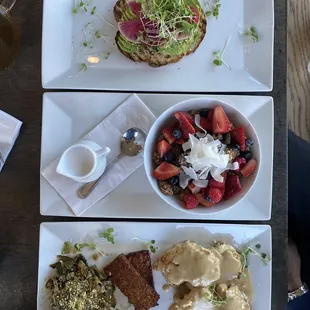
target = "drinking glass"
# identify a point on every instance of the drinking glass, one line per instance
(9, 35)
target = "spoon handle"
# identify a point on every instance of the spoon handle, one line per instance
(87, 188)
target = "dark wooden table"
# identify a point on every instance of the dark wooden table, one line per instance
(21, 96)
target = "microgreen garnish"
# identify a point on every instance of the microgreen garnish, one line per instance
(66, 248)
(150, 244)
(81, 6)
(81, 246)
(84, 67)
(252, 34)
(108, 234)
(218, 56)
(248, 251)
(94, 12)
(170, 19)
(106, 55)
(214, 297)
(213, 8)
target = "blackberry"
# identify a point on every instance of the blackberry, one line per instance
(247, 155)
(174, 180)
(204, 112)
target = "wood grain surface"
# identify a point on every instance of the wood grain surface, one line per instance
(21, 96)
(298, 75)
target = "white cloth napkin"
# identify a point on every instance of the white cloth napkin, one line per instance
(131, 113)
(9, 131)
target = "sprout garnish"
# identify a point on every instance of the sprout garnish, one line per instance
(252, 34)
(218, 56)
(150, 244)
(108, 234)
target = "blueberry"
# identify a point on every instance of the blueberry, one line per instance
(168, 157)
(174, 180)
(204, 112)
(177, 133)
(249, 142)
(235, 147)
(208, 199)
(247, 155)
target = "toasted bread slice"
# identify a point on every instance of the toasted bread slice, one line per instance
(153, 56)
(131, 283)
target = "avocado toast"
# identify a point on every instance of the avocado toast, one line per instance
(159, 32)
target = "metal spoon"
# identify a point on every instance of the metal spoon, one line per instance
(132, 143)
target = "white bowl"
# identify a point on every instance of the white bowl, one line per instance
(236, 118)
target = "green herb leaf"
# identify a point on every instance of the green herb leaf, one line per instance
(75, 10)
(217, 62)
(67, 247)
(82, 3)
(213, 9)
(218, 56)
(85, 8)
(258, 246)
(252, 33)
(93, 10)
(81, 246)
(108, 234)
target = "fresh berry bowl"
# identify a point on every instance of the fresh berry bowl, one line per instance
(202, 156)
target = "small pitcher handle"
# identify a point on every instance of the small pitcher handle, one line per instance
(8, 4)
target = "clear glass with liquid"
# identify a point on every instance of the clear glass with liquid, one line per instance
(9, 35)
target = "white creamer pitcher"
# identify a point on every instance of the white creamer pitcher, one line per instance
(83, 162)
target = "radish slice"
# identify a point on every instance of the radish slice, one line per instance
(131, 29)
(135, 7)
(196, 17)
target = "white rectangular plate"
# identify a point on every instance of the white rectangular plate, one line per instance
(69, 116)
(251, 63)
(53, 235)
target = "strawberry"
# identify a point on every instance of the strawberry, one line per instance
(237, 134)
(163, 147)
(205, 123)
(249, 168)
(179, 141)
(193, 188)
(216, 184)
(241, 161)
(220, 121)
(203, 201)
(167, 133)
(233, 186)
(215, 194)
(166, 171)
(185, 121)
(190, 201)
(187, 116)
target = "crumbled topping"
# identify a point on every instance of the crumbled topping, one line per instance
(166, 188)
(156, 159)
(232, 154)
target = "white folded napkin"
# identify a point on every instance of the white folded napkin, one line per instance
(131, 113)
(9, 131)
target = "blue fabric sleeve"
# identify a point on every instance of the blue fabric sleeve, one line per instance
(300, 303)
